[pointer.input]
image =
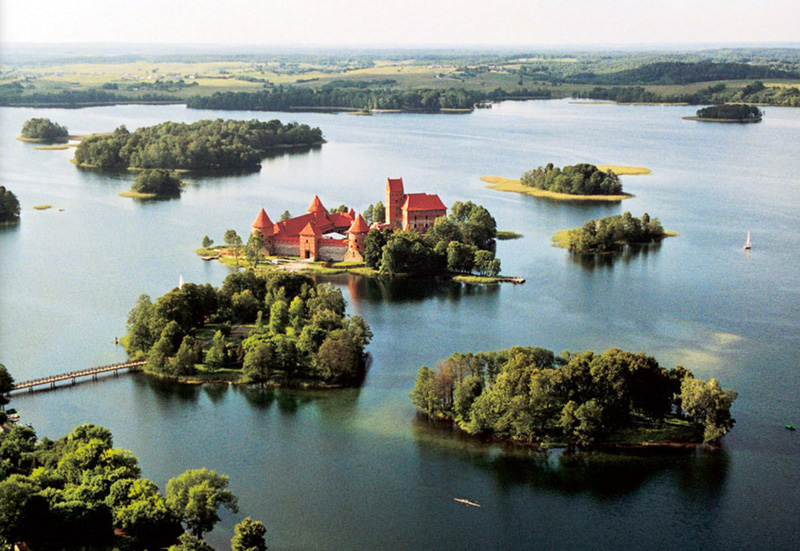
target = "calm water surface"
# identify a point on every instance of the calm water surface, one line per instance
(358, 469)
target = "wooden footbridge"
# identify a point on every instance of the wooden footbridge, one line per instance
(73, 376)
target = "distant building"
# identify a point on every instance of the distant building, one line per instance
(319, 235)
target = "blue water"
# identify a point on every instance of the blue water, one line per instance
(358, 469)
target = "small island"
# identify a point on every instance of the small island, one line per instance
(155, 184)
(529, 395)
(611, 234)
(9, 207)
(742, 113)
(40, 130)
(280, 329)
(581, 182)
(203, 145)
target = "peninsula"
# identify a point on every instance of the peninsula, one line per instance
(530, 395)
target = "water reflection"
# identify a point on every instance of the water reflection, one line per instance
(698, 474)
(592, 262)
(399, 290)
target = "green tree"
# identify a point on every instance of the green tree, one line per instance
(285, 216)
(139, 338)
(161, 183)
(423, 395)
(369, 214)
(460, 257)
(258, 361)
(6, 384)
(185, 358)
(207, 242)
(196, 496)
(45, 130)
(249, 536)
(297, 314)
(142, 513)
(337, 358)
(278, 317)
(9, 206)
(233, 240)
(254, 250)
(379, 212)
(215, 356)
(187, 542)
(708, 405)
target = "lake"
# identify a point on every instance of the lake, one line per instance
(359, 469)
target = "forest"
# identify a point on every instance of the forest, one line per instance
(279, 328)
(756, 92)
(44, 130)
(287, 98)
(80, 492)
(611, 233)
(460, 243)
(738, 112)
(203, 145)
(580, 179)
(9, 206)
(528, 394)
(158, 183)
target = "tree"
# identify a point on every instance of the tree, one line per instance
(369, 214)
(258, 361)
(187, 542)
(139, 338)
(207, 242)
(423, 395)
(215, 356)
(196, 496)
(379, 212)
(460, 257)
(158, 182)
(9, 206)
(44, 130)
(6, 384)
(278, 317)
(232, 239)
(708, 405)
(337, 358)
(285, 216)
(141, 511)
(249, 536)
(254, 250)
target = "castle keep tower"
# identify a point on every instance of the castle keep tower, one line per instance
(264, 226)
(357, 240)
(395, 197)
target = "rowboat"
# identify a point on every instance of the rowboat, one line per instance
(467, 502)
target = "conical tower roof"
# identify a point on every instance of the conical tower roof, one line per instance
(359, 225)
(317, 206)
(310, 229)
(262, 221)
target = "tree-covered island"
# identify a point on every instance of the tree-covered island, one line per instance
(530, 395)
(155, 184)
(729, 113)
(43, 131)
(80, 492)
(611, 234)
(9, 207)
(278, 328)
(203, 145)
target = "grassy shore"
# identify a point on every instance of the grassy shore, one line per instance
(622, 170)
(42, 207)
(509, 184)
(137, 195)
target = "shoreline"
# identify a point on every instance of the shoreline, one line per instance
(511, 185)
(736, 121)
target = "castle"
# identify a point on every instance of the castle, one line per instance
(320, 235)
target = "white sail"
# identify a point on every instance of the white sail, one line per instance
(180, 282)
(747, 243)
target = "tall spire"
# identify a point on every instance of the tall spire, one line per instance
(316, 206)
(359, 225)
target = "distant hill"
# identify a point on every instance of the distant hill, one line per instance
(680, 72)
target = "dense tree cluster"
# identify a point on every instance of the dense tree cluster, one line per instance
(159, 182)
(14, 95)
(287, 98)
(613, 232)
(9, 206)
(74, 492)
(461, 242)
(736, 112)
(756, 92)
(530, 395)
(682, 72)
(580, 179)
(44, 130)
(207, 144)
(279, 327)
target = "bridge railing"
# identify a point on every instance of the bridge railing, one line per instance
(52, 379)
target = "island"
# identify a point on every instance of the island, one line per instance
(415, 238)
(612, 233)
(728, 113)
(530, 395)
(203, 145)
(155, 184)
(41, 130)
(278, 329)
(581, 182)
(90, 495)
(9, 207)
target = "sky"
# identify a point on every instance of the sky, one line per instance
(401, 22)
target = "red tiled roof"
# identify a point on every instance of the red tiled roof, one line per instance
(395, 184)
(352, 213)
(316, 206)
(359, 225)
(423, 201)
(310, 229)
(340, 220)
(262, 221)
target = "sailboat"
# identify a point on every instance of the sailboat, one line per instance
(747, 243)
(180, 282)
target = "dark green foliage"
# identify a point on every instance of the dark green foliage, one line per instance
(9, 206)
(6, 384)
(580, 179)
(44, 130)
(613, 232)
(249, 536)
(738, 112)
(208, 144)
(680, 72)
(529, 394)
(293, 317)
(162, 183)
(288, 98)
(196, 497)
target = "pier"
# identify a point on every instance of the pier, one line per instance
(73, 376)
